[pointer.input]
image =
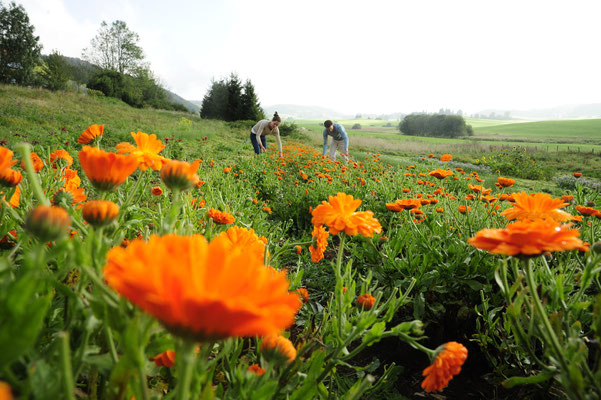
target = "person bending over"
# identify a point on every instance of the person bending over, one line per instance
(263, 128)
(339, 139)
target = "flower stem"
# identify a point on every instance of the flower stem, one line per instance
(25, 150)
(185, 359)
(65, 354)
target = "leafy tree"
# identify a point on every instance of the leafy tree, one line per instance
(438, 125)
(55, 72)
(115, 48)
(19, 47)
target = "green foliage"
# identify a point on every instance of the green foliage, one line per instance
(437, 125)
(228, 100)
(514, 161)
(356, 126)
(19, 48)
(95, 93)
(115, 48)
(55, 72)
(288, 128)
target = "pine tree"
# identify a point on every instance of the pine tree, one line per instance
(55, 72)
(251, 108)
(19, 47)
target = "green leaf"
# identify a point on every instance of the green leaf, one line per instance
(374, 334)
(519, 380)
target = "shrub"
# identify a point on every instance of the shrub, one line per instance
(95, 93)
(356, 126)
(286, 129)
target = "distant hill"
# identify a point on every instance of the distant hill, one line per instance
(569, 111)
(304, 112)
(82, 71)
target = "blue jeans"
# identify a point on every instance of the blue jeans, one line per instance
(253, 140)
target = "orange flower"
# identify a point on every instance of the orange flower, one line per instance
(528, 238)
(15, 198)
(587, 210)
(505, 182)
(200, 290)
(366, 301)
(105, 170)
(446, 157)
(221, 217)
(146, 152)
(464, 209)
(6, 158)
(99, 212)
(267, 210)
(61, 155)
(157, 191)
(165, 359)
(536, 206)
(567, 198)
(321, 236)
(440, 173)
(404, 204)
(37, 162)
(48, 223)
(278, 347)
(226, 170)
(255, 369)
(479, 189)
(90, 134)
(298, 249)
(439, 210)
(339, 215)
(70, 194)
(180, 175)
(447, 364)
(5, 391)
(304, 294)
(577, 174)
(237, 237)
(10, 177)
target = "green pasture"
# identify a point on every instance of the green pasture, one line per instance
(585, 130)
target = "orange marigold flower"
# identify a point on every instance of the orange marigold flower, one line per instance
(6, 158)
(440, 173)
(157, 191)
(146, 152)
(447, 364)
(37, 162)
(439, 210)
(430, 155)
(505, 182)
(464, 209)
(165, 359)
(404, 204)
(577, 174)
(48, 223)
(528, 238)
(180, 175)
(321, 236)
(99, 212)
(587, 210)
(200, 290)
(255, 369)
(536, 206)
(278, 347)
(90, 134)
(5, 391)
(221, 217)
(15, 198)
(70, 195)
(339, 215)
(406, 190)
(304, 294)
(298, 249)
(479, 189)
(10, 177)
(567, 198)
(366, 301)
(57, 155)
(226, 170)
(238, 237)
(267, 210)
(105, 170)
(446, 157)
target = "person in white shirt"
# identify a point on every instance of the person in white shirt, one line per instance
(261, 129)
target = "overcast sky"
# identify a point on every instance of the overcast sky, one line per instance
(355, 56)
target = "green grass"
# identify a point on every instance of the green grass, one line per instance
(575, 131)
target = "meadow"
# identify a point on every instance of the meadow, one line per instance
(149, 254)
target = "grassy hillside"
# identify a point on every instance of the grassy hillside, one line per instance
(36, 113)
(588, 130)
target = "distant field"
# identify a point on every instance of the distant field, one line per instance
(586, 129)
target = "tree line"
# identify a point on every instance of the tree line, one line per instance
(230, 100)
(115, 62)
(438, 125)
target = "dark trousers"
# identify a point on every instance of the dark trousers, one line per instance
(253, 140)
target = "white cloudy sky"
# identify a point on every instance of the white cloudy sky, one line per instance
(370, 56)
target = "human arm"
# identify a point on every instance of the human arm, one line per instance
(325, 142)
(276, 132)
(345, 138)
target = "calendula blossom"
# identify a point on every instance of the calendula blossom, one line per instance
(146, 151)
(536, 206)
(447, 364)
(339, 214)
